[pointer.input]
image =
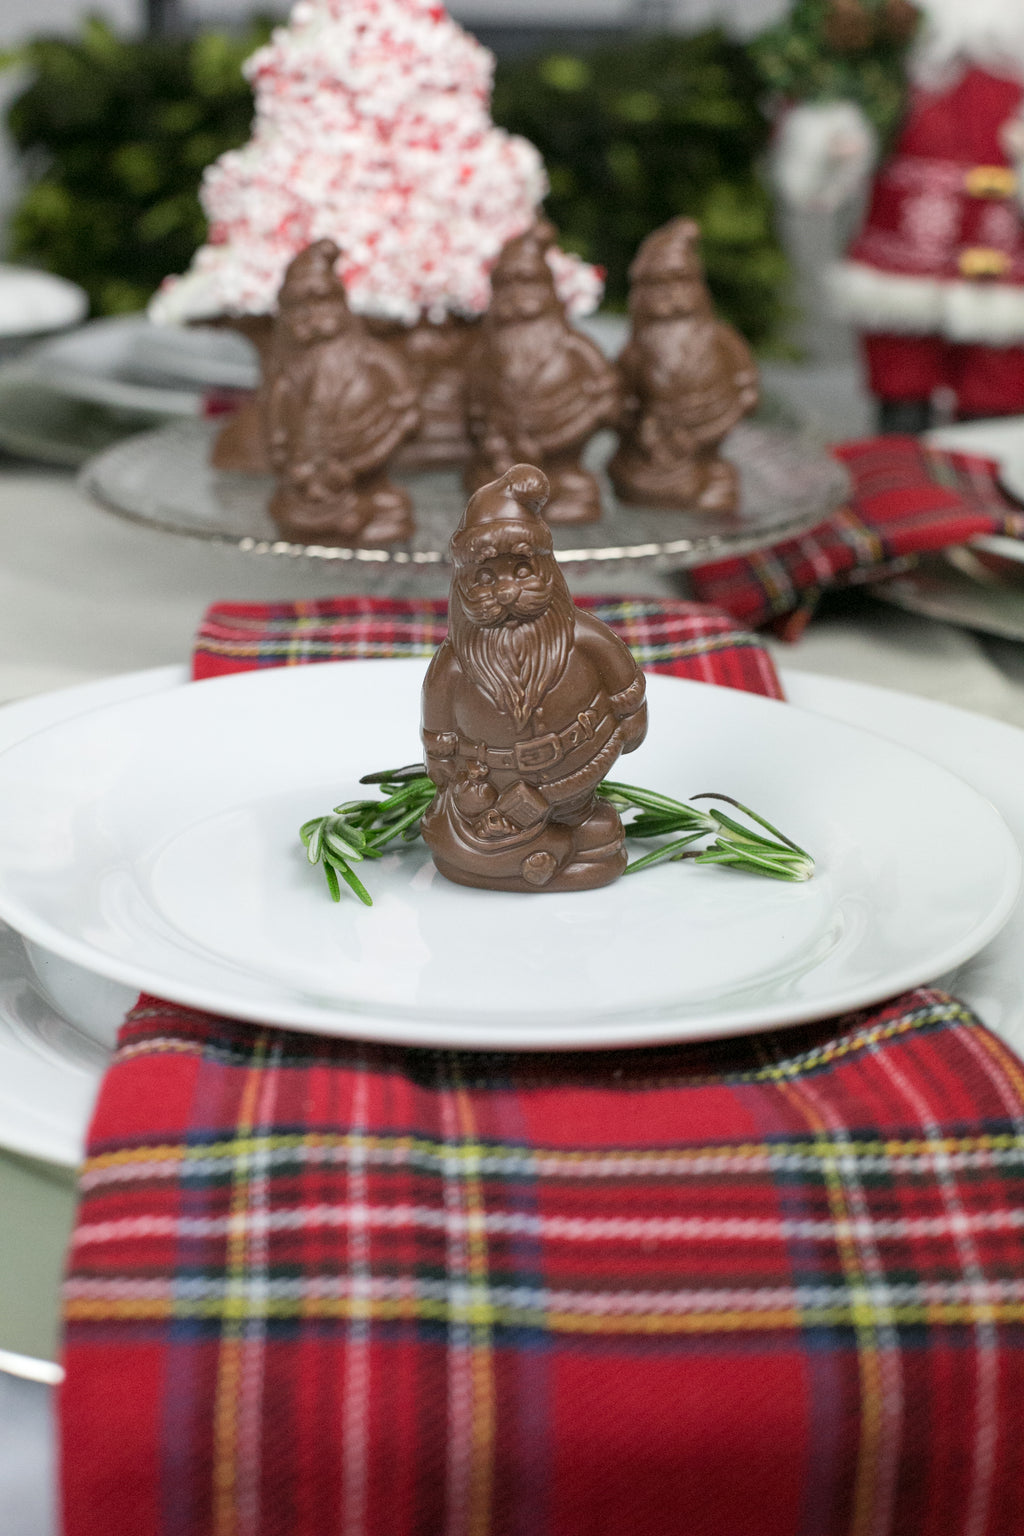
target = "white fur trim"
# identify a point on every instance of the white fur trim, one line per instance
(1012, 137)
(985, 312)
(823, 154)
(957, 34)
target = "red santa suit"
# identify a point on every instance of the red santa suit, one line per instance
(935, 279)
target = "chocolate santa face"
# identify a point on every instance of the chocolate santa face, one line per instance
(314, 319)
(526, 706)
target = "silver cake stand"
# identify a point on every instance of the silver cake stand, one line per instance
(164, 480)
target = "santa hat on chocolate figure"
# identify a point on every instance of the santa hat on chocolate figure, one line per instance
(504, 518)
(934, 281)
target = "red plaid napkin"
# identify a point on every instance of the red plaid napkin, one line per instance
(906, 499)
(766, 1287)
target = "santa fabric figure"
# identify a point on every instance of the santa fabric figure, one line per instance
(935, 279)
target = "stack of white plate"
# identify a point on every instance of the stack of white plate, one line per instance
(148, 841)
(34, 304)
(69, 396)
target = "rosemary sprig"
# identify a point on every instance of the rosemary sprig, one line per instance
(358, 830)
(733, 844)
(362, 829)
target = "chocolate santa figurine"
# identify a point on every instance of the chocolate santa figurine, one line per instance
(526, 706)
(687, 380)
(537, 388)
(336, 405)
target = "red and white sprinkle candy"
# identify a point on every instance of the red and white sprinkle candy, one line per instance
(372, 127)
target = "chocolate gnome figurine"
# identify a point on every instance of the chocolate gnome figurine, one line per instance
(336, 405)
(687, 380)
(526, 706)
(537, 388)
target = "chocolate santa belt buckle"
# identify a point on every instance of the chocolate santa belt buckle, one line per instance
(539, 752)
(545, 751)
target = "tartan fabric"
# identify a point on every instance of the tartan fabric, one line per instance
(769, 1287)
(764, 1287)
(906, 499)
(665, 635)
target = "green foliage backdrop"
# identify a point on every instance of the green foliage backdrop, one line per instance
(800, 59)
(116, 132)
(636, 133)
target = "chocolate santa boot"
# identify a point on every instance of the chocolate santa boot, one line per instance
(239, 445)
(599, 847)
(720, 491)
(320, 519)
(388, 512)
(575, 495)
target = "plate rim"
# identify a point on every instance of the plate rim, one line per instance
(846, 694)
(407, 1028)
(194, 434)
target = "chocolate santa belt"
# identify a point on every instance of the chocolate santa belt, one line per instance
(536, 754)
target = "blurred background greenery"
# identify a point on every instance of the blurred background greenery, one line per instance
(114, 131)
(636, 132)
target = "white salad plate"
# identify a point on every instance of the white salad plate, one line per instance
(168, 860)
(49, 1062)
(109, 362)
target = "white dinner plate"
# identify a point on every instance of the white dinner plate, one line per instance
(33, 302)
(47, 1082)
(1002, 439)
(999, 544)
(169, 861)
(1011, 467)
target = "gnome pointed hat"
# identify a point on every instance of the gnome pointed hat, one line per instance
(670, 252)
(311, 275)
(504, 517)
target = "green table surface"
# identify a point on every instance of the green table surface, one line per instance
(37, 1206)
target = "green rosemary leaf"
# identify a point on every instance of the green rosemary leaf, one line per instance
(363, 829)
(631, 795)
(314, 842)
(332, 881)
(393, 829)
(410, 771)
(711, 795)
(649, 824)
(743, 834)
(342, 846)
(667, 853)
(777, 868)
(353, 881)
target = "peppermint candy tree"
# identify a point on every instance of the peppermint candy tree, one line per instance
(373, 128)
